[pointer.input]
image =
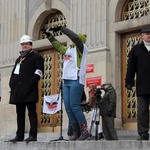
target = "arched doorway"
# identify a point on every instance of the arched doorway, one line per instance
(129, 97)
(51, 80)
(132, 9)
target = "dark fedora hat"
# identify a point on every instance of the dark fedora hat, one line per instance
(145, 29)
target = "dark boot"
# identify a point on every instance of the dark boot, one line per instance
(69, 132)
(76, 131)
(100, 136)
(16, 139)
(144, 136)
(84, 132)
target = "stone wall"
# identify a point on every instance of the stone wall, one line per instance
(26, 16)
(99, 19)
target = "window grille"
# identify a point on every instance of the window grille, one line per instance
(53, 21)
(136, 9)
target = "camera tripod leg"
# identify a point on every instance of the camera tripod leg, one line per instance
(96, 120)
(91, 126)
(96, 130)
(92, 121)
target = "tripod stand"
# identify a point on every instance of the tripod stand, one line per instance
(95, 119)
(61, 116)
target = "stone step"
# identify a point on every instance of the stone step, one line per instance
(58, 141)
(47, 136)
(78, 145)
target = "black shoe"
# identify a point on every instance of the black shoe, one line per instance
(16, 139)
(30, 138)
(100, 136)
(143, 137)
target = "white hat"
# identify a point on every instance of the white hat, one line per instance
(25, 38)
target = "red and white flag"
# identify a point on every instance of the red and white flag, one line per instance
(52, 104)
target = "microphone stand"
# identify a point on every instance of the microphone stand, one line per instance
(61, 120)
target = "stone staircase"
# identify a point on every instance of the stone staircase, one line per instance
(54, 141)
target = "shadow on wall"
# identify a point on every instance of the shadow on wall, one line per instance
(8, 119)
(0, 87)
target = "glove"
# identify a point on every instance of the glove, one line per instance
(46, 32)
(55, 29)
(109, 114)
(129, 87)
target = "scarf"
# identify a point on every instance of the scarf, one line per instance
(25, 53)
(147, 45)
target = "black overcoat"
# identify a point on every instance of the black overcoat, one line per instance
(108, 103)
(24, 86)
(139, 64)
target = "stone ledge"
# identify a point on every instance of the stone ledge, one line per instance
(77, 145)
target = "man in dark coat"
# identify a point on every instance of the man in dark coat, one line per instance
(139, 64)
(108, 111)
(28, 70)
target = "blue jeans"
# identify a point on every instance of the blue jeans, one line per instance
(72, 93)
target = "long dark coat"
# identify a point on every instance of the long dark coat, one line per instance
(108, 103)
(139, 64)
(24, 86)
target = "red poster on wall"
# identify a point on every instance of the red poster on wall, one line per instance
(89, 68)
(94, 80)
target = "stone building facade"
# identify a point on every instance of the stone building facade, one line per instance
(112, 28)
